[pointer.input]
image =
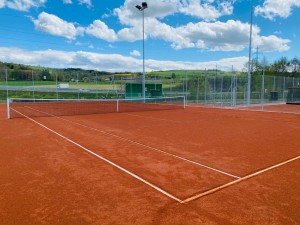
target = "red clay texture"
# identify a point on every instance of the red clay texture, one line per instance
(45, 178)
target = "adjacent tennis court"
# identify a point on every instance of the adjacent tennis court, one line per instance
(128, 162)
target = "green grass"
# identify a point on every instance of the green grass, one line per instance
(60, 95)
(26, 83)
(52, 84)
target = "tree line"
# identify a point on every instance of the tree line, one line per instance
(281, 67)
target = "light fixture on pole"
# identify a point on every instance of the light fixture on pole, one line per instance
(250, 63)
(142, 8)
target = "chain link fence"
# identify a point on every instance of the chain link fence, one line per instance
(59, 85)
(205, 88)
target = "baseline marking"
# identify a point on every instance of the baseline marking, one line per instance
(270, 111)
(237, 181)
(246, 110)
(242, 108)
(146, 146)
(104, 159)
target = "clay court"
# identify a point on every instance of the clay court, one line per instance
(182, 166)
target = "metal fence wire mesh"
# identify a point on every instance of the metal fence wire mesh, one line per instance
(202, 88)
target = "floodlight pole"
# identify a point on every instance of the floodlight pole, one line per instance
(142, 8)
(143, 77)
(249, 63)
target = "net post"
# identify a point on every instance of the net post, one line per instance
(184, 102)
(8, 108)
(117, 105)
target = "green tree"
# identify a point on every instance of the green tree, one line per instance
(280, 67)
(295, 66)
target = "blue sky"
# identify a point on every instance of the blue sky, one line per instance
(180, 34)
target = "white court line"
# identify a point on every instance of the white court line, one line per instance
(237, 181)
(256, 105)
(146, 146)
(244, 118)
(270, 111)
(104, 159)
(243, 109)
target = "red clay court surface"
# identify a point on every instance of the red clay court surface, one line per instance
(191, 166)
(280, 108)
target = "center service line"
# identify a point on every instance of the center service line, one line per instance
(239, 180)
(104, 159)
(146, 146)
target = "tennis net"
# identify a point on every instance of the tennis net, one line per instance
(20, 107)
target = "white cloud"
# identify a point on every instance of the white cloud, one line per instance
(271, 43)
(211, 36)
(274, 8)
(88, 3)
(2, 3)
(67, 1)
(54, 25)
(80, 2)
(206, 10)
(22, 5)
(130, 34)
(226, 64)
(85, 2)
(129, 15)
(108, 62)
(135, 53)
(218, 36)
(111, 46)
(100, 30)
(105, 15)
(208, 35)
(43, 58)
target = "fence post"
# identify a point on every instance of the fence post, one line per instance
(77, 86)
(6, 81)
(245, 100)
(32, 85)
(205, 83)
(182, 86)
(234, 90)
(186, 86)
(231, 91)
(222, 79)
(97, 97)
(171, 83)
(56, 85)
(263, 91)
(8, 108)
(197, 98)
(130, 90)
(215, 89)
(283, 89)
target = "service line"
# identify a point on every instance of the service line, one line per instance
(238, 180)
(143, 145)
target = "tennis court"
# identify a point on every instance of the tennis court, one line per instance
(181, 166)
(279, 108)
